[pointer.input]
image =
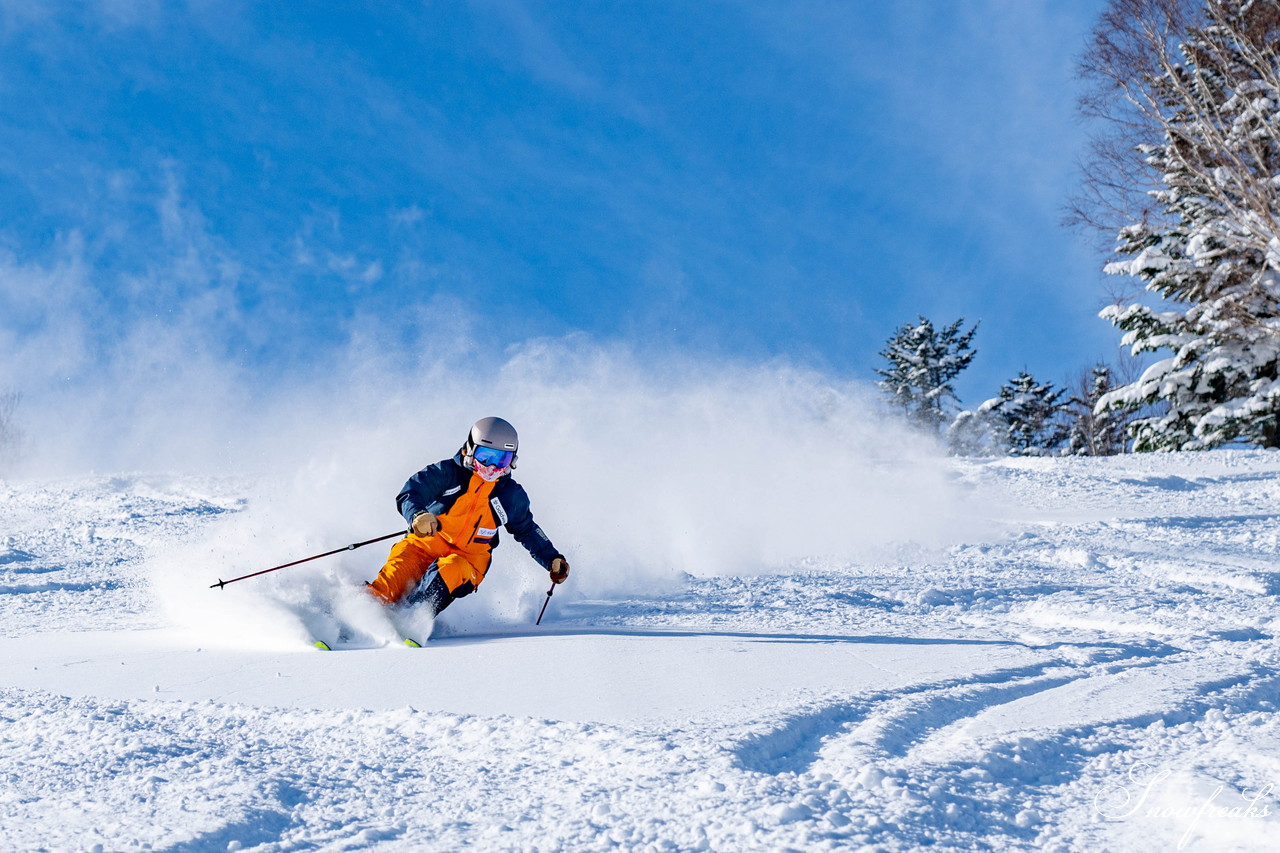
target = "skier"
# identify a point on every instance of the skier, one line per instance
(454, 508)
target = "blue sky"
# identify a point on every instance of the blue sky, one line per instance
(756, 180)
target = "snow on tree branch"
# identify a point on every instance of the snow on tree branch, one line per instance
(1200, 86)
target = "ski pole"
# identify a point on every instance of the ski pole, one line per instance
(545, 603)
(221, 583)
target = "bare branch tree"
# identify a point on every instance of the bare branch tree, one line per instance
(1149, 84)
(1094, 431)
(1124, 54)
(1187, 170)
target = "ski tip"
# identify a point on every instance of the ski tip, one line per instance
(323, 646)
(412, 643)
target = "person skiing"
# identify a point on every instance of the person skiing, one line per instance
(454, 509)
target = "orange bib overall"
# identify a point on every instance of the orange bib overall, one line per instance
(461, 550)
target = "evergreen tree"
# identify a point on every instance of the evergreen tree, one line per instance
(10, 434)
(1202, 82)
(976, 434)
(922, 364)
(1095, 431)
(1031, 414)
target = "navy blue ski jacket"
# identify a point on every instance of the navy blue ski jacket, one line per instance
(435, 488)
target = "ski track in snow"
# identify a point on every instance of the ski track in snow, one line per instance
(1099, 676)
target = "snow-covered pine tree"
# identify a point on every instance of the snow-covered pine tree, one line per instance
(10, 434)
(976, 434)
(1031, 413)
(1095, 432)
(1202, 81)
(922, 364)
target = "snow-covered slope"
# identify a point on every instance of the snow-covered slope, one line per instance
(1092, 668)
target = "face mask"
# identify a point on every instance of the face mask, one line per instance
(489, 472)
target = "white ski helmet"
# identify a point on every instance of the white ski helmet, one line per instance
(494, 433)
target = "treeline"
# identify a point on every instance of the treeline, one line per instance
(1025, 418)
(1184, 173)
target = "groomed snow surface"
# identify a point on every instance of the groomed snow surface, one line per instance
(1092, 668)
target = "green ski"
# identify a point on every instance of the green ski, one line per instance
(408, 641)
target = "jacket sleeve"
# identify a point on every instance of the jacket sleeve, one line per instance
(520, 524)
(424, 491)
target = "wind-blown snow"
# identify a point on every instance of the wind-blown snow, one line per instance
(1097, 672)
(641, 470)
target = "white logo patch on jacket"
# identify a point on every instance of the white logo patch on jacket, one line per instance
(498, 510)
(452, 491)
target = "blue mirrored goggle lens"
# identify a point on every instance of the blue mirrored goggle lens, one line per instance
(493, 458)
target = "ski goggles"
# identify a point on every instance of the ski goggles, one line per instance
(491, 457)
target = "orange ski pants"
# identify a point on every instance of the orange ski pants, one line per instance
(411, 559)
